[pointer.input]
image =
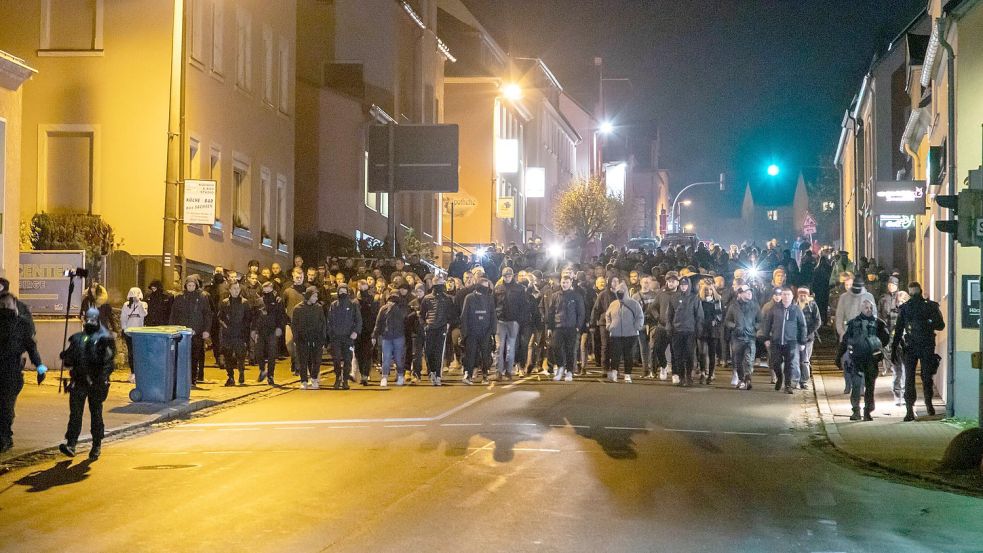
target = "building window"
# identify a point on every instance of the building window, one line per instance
(284, 76)
(266, 183)
(772, 214)
(218, 37)
(241, 196)
(196, 30)
(215, 173)
(244, 50)
(68, 170)
(376, 201)
(281, 218)
(71, 25)
(268, 64)
(194, 162)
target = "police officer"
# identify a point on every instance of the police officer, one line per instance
(435, 312)
(91, 356)
(15, 340)
(914, 341)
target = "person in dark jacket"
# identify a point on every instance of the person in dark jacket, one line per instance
(414, 333)
(217, 291)
(684, 316)
(90, 356)
(478, 325)
(510, 303)
(707, 334)
(565, 316)
(309, 328)
(582, 286)
(783, 328)
(435, 314)
(269, 320)
(914, 343)
(389, 331)
(364, 348)
(234, 319)
(742, 322)
(597, 316)
(859, 353)
(16, 339)
(657, 315)
(192, 309)
(293, 295)
(159, 303)
(344, 324)
(814, 320)
(22, 309)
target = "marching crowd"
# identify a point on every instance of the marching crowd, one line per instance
(677, 313)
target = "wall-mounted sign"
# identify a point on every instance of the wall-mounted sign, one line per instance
(535, 182)
(199, 202)
(899, 197)
(971, 301)
(616, 178)
(43, 284)
(505, 209)
(507, 155)
(896, 222)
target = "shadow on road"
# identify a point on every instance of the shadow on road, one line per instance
(61, 474)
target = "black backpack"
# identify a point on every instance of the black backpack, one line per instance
(864, 343)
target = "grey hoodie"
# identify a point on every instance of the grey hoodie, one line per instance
(849, 307)
(624, 317)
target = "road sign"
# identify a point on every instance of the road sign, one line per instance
(425, 158)
(809, 225)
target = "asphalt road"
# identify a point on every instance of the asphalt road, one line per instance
(537, 466)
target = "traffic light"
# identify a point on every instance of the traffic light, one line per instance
(967, 224)
(948, 202)
(773, 170)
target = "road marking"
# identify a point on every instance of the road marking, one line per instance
(482, 448)
(461, 424)
(441, 416)
(517, 382)
(746, 433)
(625, 428)
(684, 430)
(569, 426)
(404, 426)
(532, 449)
(342, 427)
(238, 429)
(294, 428)
(185, 430)
(514, 424)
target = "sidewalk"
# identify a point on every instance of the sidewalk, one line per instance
(913, 449)
(42, 413)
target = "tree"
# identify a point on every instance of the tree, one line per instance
(586, 211)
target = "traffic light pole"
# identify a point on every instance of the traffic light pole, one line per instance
(672, 210)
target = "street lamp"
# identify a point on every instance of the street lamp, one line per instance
(512, 92)
(672, 208)
(606, 127)
(688, 227)
(773, 170)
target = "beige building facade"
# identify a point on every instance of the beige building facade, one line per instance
(13, 73)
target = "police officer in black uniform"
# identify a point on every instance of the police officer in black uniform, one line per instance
(918, 321)
(91, 356)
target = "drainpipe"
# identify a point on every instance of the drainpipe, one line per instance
(950, 241)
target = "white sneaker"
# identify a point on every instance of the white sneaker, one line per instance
(675, 379)
(568, 377)
(662, 373)
(627, 379)
(734, 381)
(558, 376)
(400, 380)
(439, 383)
(384, 382)
(544, 372)
(613, 376)
(315, 384)
(433, 380)
(467, 381)
(303, 385)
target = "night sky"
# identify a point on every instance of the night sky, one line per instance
(734, 85)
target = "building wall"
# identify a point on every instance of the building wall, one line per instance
(585, 125)
(472, 108)
(848, 221)
(10, 168)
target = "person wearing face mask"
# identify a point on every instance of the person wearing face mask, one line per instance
(90, 356)
(858, 355)
(435, 314)
(269, 318)
(132, 315)
(742, 320)
(623, 320)
(478, 325)
(192, 309)
(368, 307)
(309, 327)
(234, 319)
(814, 320)
(16, 339)
(453, 352)
(706, 337)
(565, 315)
(914, 344)
(658, 313)
(217, 291)
(22, 309)
(783, 328)
(585, 335)
(344, 324)
(685, 316)
(888, 306)
(159, 302)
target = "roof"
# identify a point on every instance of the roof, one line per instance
(917, 46)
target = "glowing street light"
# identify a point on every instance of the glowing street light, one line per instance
(773, 170)
(555, 251)
(688, 227)
(607, 127)
(687, 203)
(512, 92)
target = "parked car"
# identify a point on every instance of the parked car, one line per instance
(686, 239)
(647, 244)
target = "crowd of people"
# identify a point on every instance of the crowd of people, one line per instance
(678, 314)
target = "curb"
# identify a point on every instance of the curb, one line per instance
(168, 414)
(834, 438)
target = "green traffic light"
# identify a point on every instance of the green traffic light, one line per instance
(773, 170)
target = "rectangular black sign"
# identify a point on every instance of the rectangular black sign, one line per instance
(970, 309)
(426, 158)
(899, 197)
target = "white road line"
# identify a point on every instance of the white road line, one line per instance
(625, 428)
(569, 426)
(746, 433)
(238, 429)
(517, 382)
(185, 430)
(684, 430)
(294, 428)
(532, 449)
(461, 424)
(482, 448)
(342, 427)
(441, 416)
(514, 424)
(405, 426)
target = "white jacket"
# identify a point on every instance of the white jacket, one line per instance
(132, 316)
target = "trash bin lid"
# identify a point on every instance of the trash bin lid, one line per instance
(170, 330)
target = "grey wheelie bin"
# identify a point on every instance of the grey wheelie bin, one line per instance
(161, 363)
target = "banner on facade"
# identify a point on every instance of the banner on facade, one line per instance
(899, 198)
(505, 209)
(199, 202)
(43, 284)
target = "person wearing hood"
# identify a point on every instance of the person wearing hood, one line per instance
(859, 354)
(235, 319)
(658, 315)
(685, 316)
(478, 325)
(848, 306)
(23, 311)
(192, 309)
(344, 324)
(623, 320)
(435, 316)
(389, 330)
(97, 297)
(510, 306)
(565, 316)
(368, 307)
(90, 356)
(133, 314)
(268, 320)
(159, 303)
(16, 339)
(814, 320)
(645, 297)
(309, 328)
(914, 344)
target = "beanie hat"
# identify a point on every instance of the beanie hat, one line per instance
(893, 280)
(858, 285)
(309, 292)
